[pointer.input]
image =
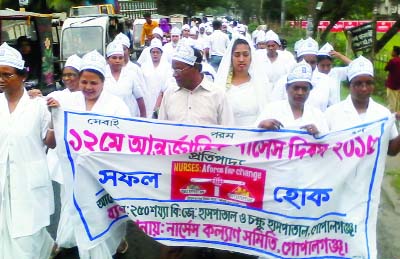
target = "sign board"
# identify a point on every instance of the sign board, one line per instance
(23, 2)
(361, 37)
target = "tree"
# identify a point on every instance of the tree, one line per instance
(188, 7)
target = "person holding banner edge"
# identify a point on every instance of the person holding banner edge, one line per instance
(359, 108)
(293, 112)
(93, 98)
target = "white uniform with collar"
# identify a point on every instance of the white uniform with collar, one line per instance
(321, 96)
(127, 88)
(343, 115)
(282, 112)
(156, 82)
(107, 104)
(26, 194)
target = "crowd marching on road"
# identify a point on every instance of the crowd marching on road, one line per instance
(211, 73)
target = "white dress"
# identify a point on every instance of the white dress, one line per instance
(26, 194)
(323, 94)
(246, 103)
(277, 69)
(282, 112)
(127, 88)
(110, 105)
(65, 233)
(157, 79)
(343, 115)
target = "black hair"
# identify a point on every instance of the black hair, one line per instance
(323, 57)
(216, 25)
(22, 39)
(147, 15)
(238, 42)
(283, 43)
(21, 72)
(75, 70)
(102, 78)
(199, 59)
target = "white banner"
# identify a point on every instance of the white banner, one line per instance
(274, 194)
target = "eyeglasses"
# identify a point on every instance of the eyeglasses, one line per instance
(69, 75)
(360, 84)
(179, 71)
(6, 76)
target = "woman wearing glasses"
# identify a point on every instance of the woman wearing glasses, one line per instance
(25, 187)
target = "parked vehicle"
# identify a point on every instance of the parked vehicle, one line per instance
(37, 30)
(82, 34)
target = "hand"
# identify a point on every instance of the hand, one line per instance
(52, 103)
(310, 128)
(33, 93)
(270, 124)
(397, 115)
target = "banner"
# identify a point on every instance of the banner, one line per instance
(279, 194)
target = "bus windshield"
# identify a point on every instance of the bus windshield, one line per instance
(81, 40)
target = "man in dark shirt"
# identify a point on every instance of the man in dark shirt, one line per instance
(393, 80)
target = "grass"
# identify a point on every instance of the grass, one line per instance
(395, 179)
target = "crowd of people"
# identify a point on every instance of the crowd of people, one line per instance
(209, 74)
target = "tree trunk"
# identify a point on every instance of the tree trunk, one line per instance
(387, 36)
(325, 33)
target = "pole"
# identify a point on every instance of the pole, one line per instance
(283, 13)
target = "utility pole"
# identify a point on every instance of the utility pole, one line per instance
(283, 13)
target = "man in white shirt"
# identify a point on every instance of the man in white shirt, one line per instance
(194, 99)
(217, 44)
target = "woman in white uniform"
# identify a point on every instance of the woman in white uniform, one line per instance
(93, 98)
(70, 76)
(324, 93)
(324, 64)
(359, 108)
(295, 113)
(246, 87)
(121, 82)
(157, 73)
(26, 194)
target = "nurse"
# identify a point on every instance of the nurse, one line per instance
(26, 200)
(295, 113)
(359, 108)
(246, 87)
(92, 98)
(121, 82)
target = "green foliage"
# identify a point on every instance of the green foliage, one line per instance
(395, 179)
(252, 26)
(62, 5)
(188, 7)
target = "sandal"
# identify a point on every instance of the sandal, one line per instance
(123, 247)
